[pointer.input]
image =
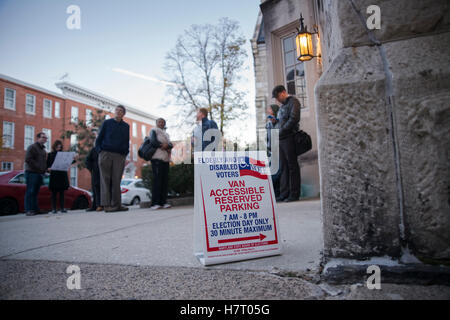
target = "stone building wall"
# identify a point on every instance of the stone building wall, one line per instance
(383, 108)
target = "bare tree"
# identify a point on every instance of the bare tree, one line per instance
(205, 65)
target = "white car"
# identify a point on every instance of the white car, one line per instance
(134, 191)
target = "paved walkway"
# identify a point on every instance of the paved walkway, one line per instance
(143, 254)
(150, 238)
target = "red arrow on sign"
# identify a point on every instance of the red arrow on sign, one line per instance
(261, 237)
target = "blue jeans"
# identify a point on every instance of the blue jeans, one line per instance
(34, 182)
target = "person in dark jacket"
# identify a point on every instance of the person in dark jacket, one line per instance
(35, 167)
(59, 182)
(273, 124)
(205, 124)
(289, 119)
(91, 163)
(113, 146)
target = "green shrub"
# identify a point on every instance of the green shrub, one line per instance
(181, 178)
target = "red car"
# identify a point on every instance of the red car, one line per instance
(12, 194)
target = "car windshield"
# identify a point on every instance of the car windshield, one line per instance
(20, 178)
(126, 182)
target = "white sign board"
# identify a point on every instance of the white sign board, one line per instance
(63, 161)
(235, 209)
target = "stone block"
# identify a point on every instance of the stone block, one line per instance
(358, 190)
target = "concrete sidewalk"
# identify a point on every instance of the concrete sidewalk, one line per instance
(141, 237)
(143, 254)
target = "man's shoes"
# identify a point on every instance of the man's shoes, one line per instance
(167, 206)
(99, 209)
(30, 213)
(110, 209)
(122, 208)
(63, 211)
(291, 199)
(280, 199)
(90, 209)
(54, 211)
(155, 207)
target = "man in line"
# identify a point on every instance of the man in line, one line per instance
(35, 167)
(113, 146)
(289, 118)
(205, 124)
(92, 165)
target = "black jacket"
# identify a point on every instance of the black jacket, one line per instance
(289, 117)
(91, 161)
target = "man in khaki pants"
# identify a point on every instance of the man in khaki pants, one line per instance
(113, 146)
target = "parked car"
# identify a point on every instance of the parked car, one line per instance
(134, 191)
(12, 194)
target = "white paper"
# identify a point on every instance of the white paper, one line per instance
(63, 161)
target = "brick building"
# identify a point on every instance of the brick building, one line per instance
(26, 110)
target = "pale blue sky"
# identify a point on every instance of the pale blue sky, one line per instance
(135, 35)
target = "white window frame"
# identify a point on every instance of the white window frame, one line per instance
(48, 133)
(144, 131)
(73, 140)
(134, 129)
(47, 113)
(74, 182)
(57, 109)
(5, 124)
(72, 118)
(13, 102)
(34, 104)
(11, 165)
(135, 153)
(303, 100)
(89, 117)
(25, 145)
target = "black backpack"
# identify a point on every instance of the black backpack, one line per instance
(302, 142)
(146, 150)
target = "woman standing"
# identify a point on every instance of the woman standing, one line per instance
(59, 182)
(160, 164)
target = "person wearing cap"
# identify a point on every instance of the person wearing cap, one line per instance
(289, 119)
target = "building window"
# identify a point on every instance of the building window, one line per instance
(48, 133)
(144, 131)
(47, 108)
(73, 142)
(74, 115)
(10, 99)
(7, 166)
(57, 109)
(30, 104)
(294, 72)
(8, 134)
(134, 129)
(29, 136)
(88, 117)
(135, 153)
(74, 176)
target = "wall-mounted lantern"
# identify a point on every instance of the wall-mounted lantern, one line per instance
(305, 50)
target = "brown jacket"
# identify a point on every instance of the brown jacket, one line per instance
(36, 158)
